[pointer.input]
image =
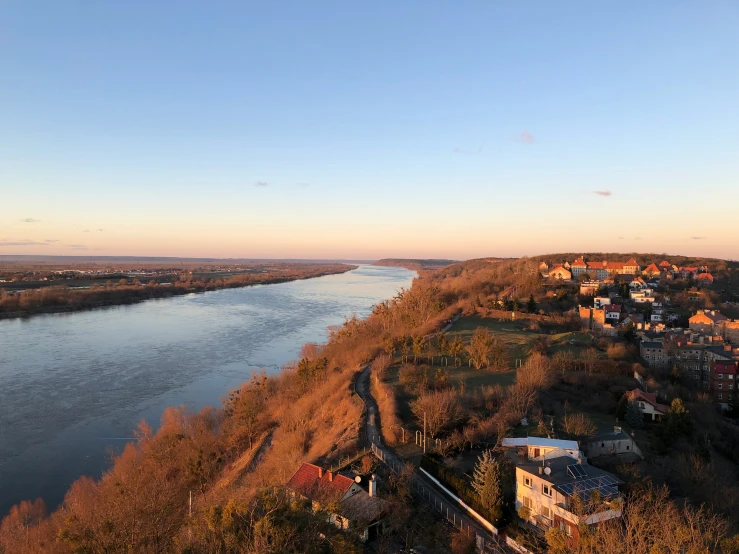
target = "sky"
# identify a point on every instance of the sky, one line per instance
(369, 129)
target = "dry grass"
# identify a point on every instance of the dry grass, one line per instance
(388, 404)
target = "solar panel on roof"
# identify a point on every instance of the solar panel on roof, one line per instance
(605, 484)
(577, 471)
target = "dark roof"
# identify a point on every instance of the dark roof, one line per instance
(361, 506)
(646, 344)
(559, 474)
(719, 350)
(609, 434)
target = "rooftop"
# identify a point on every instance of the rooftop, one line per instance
(312, 482)
(541, 442)
(569, 477)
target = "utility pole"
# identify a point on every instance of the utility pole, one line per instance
(424, 432)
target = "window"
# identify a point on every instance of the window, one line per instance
(720, 396)
(696, 376)
(720, 385)
(527, 481)
(730, 397)
(720, 375)
(731, 386)
(545, 512)
(527, 502)
(730, 377)
(547, 491)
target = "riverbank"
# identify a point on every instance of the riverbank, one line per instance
(62, 299)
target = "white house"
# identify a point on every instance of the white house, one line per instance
(563, 493)
(537, 448)
(652, 410)
(642, 296)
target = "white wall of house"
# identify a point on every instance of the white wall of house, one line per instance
(648, 410)
(530, 492)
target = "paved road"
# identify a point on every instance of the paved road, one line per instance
(422, 485)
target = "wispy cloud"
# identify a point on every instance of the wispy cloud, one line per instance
(602, 192)
(468, 152)
(524, 138)
(86, 231)
(77, 246)
(261, 184)
(21, 243)
(30, 220)
(698, 238)
(99, 230)
(51, 240)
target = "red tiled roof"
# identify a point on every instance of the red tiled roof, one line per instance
(648, 397)
(705, 277)
(307, 482)
(651, 268)
(613, 308)
(664, 264)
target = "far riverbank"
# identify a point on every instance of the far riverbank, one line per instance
(62, 299)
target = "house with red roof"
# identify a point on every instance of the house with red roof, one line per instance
(348, 503)
(613, 313)
(664, 265)
(704, 279)
(652, 271)
(647, 402)
(603, 269)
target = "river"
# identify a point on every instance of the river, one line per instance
(73, 386)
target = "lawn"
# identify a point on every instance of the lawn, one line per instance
(513, 334)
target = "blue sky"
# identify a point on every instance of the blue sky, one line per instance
(340, 129)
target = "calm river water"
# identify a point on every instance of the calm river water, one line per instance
(72, 386)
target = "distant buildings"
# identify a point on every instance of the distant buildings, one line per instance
(603, 269)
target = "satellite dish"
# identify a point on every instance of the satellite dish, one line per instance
(548, 470)
(358, 479)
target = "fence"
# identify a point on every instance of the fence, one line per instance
(343, 462)
(485, 544)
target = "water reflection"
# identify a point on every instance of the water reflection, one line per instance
(74, 385)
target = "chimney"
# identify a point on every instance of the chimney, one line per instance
(541, 470)
(372, 486)
(330, 475)
(320, 472)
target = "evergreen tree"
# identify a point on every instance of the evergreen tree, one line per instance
(634, 415)
(531, 304)
(621, 408)
(486, 481)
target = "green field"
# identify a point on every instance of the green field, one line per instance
(513, 334)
